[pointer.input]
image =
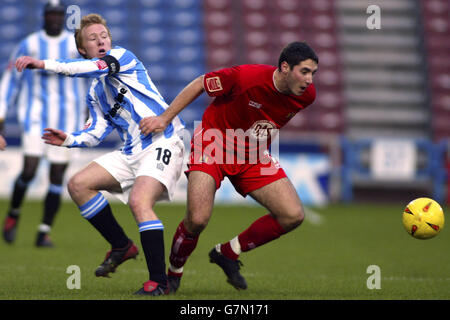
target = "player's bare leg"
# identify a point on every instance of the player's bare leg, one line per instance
(283, 202)
(286, 213)
(200, 201)
(85, 184)
(144, 194)
(84, 189)
(201, 192)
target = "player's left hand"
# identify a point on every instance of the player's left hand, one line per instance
(54, 136)
(29, 62)
(152, 124)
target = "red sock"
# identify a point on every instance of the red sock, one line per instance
(226, 250)
(182, 246)
(263, 230)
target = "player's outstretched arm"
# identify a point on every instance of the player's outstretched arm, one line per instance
(29, 62)
(181, 101)
(2, 143)
(54, 136)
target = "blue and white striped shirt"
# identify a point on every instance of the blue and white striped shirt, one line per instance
(108, 109)
(44, 99)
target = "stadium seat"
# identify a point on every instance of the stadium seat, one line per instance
(436, 27)
(216, 5)
(185, 36)
(286, 6)
(153, 54)
(249, 5)
(220, 38)
(222, 57)
(152, 36)
(151, 17)
(10, 13)
(193, 5)
(259, 56)
(152, 3)
(186, 54)
(183, 18)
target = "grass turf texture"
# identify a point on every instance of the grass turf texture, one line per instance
(326, 260)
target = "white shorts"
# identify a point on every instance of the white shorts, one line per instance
(34, 146)
(162, 160)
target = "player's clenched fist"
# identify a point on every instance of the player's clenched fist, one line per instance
(152, 124)
(29, 62)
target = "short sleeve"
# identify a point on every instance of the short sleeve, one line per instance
(221, 82)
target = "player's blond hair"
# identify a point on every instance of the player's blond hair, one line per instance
(86, 21)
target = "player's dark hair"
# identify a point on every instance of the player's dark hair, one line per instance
(296, 52)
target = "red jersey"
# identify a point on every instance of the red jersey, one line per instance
(246, 100)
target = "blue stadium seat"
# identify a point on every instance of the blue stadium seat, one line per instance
(152, 17)
(152, 3)
(157, 72)
(185, 36)
(185, 19)
(187, 54)
(12, 32)
(184, 4)
(116, 16)
(10, 13)
(152, 36)
(153, 54)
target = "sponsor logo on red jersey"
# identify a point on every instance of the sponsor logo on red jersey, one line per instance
(213, 84)
(261, 129)
(255, 104)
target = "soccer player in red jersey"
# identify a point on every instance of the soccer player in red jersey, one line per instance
(251, 102)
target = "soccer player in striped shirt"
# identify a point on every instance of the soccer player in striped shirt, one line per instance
(257, 100)
(143, 171)
(44, 99)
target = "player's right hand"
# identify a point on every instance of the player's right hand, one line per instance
(54, 136)
(29, 62)
(152, 124)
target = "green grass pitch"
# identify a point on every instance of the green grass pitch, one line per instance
(326, 258)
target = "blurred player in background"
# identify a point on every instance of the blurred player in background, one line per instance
(42, 99)
(256, 99)
(145, 170)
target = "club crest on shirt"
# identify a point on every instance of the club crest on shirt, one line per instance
(87, 124)
(101, 64)
(213, 84)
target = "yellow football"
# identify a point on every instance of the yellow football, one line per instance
(423, 218)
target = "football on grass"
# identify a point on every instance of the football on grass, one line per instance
(423, 218)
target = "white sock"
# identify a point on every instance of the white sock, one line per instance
(45, 228)
(175, 270)
(235, 245)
